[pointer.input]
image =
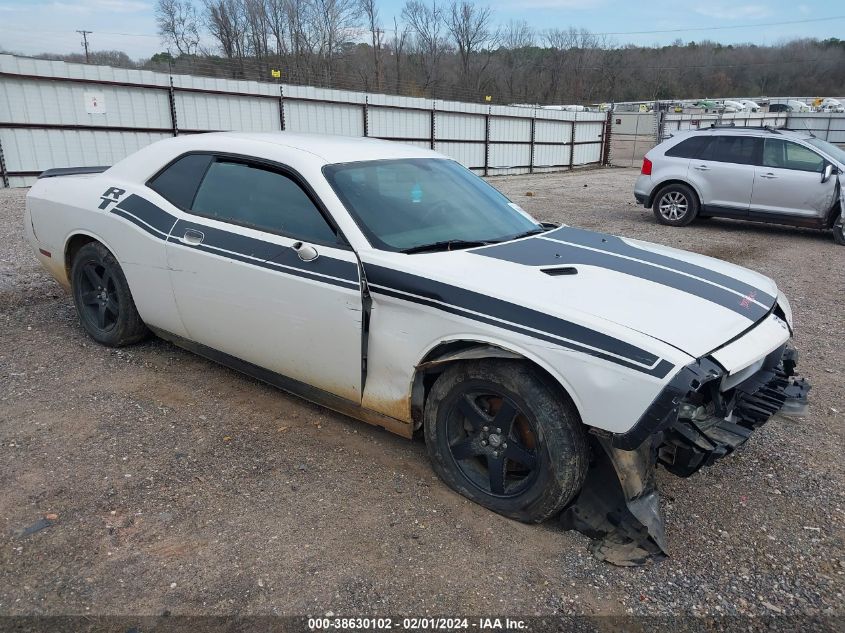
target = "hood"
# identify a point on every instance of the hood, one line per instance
(691, 302)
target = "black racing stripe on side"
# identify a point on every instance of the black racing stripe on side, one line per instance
(263, 250)
(542, 252)
(506, 311)
(616, 245)
(148, 212)
(126, 216)
(268, 265)
(659, 371)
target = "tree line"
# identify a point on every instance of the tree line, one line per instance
(456, 49)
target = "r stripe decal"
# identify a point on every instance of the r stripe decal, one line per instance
(271, 256)
(493, 311)
(147, 212)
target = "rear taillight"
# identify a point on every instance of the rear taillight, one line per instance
(646, 168)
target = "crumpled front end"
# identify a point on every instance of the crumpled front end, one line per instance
(701, 416)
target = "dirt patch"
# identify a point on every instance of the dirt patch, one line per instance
(179, 485)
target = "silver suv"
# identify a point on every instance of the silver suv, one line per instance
(759, 174)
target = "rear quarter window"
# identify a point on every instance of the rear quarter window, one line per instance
(179, 181)
(689, 148)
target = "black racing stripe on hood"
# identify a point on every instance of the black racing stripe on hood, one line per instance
(618, 246)
(516, 314)
(542, 252)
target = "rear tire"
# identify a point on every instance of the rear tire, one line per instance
(675, 205)
(103, 302)
(498, 433)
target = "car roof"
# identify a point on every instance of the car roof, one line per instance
(334, 148)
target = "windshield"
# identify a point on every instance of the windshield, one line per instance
(828, 148)
(406, 204)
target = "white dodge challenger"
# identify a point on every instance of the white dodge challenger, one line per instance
(548, 368)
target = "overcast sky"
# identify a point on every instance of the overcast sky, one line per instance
(36, 26)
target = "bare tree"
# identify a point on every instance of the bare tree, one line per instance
(335, 22)
(429, 43)
(178, 25)
(517, 40)
(471, 27)
(400, 40)
(371, 15)
(226, 22)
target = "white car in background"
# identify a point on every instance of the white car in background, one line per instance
(750, 106)
(389, 283)
(831, 105)
(733, 106)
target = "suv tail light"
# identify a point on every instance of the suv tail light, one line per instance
(646, 168)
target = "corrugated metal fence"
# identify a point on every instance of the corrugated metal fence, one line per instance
(632, 134)
(58, 114)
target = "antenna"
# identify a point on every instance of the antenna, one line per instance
(85, 35)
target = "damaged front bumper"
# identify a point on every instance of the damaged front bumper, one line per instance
(691, 424)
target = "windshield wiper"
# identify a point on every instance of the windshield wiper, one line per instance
(444, 245)
(539, 229)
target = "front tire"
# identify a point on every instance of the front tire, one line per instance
(103, 302)
(675, 205)
(498, 433)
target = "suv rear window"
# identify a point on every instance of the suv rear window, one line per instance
(689, 148)
(743, 150)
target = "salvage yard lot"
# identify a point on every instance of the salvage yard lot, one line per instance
(178, 485)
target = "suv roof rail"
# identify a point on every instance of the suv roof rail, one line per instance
(732, 126)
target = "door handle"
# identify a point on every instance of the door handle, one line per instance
(702, 168)
(192, 237)
(769, 175)
(305, 252)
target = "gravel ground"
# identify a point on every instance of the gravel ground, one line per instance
(173, 484)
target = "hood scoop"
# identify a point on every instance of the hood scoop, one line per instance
(560, 270)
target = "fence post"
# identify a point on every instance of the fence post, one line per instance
(605, 146)
(433, 122)
(171, 94)
(281, 107)
(572, 142)
(533, 139)
(366, 113)
(487, 141)
(4, 175)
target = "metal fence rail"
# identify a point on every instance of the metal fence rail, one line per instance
(58, 114)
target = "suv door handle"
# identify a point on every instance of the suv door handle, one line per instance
(769, 175)
(702, 168)
(192, 237)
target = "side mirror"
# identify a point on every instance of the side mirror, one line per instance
(827, 173)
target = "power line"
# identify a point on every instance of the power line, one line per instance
(652, 32)
(724, 27)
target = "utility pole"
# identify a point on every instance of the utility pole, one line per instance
(85, 43)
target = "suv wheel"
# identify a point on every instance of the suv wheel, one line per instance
(839, 231)
(675, 205)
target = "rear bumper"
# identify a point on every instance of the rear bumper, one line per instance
(641, 198)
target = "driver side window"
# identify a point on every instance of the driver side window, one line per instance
(787, 155)
(259, 198)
